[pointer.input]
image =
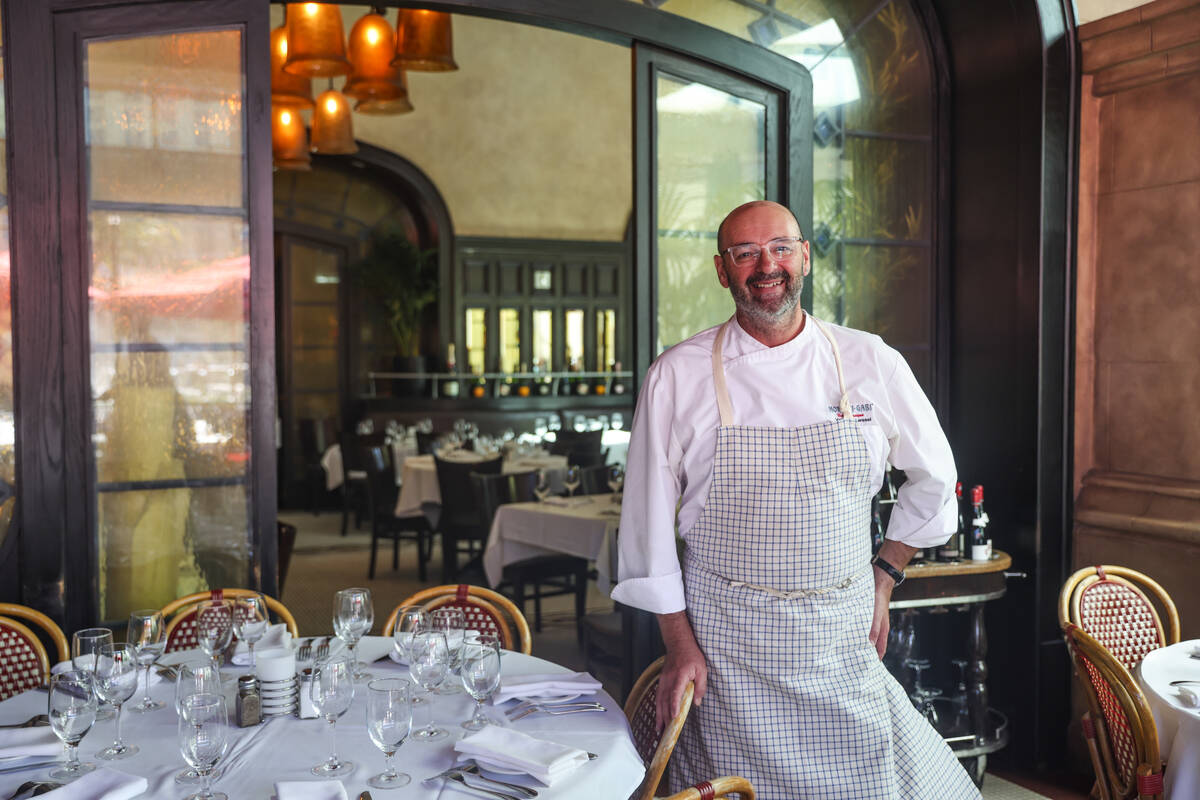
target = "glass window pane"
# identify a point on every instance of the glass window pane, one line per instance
(7, 420)
(606, 339)
(887, 291)
(893, 74)
(710, 158)
(510, 339)
(543, 339)
(315, 275)
(169, 315)
(574, 334)
(476, 328)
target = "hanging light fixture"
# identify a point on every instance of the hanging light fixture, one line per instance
(287, 90)
(289, 144)
(316, 42)
(332, 133)
(379, 87)
(424, 41)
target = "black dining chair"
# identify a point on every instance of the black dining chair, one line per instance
(582, 448)
(461, 522)
(381, 504)
(540, 576)
(594, 480)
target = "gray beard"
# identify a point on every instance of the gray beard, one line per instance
(767, 316)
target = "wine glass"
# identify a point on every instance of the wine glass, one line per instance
(389, 723)
(85, 649)
(616, 421)
(409, 620)
(571, 479)
(353, 616)
(148, 635)
(480, 674)
(72, 712)
(203, 738)
(214, 627)
(116, 681)
(616, 480)
(541, 489)
(429, 660)
(197, 676)
(332, 693)
(250, 621)
(453, 624)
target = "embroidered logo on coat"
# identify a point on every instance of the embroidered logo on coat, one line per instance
(863, 412)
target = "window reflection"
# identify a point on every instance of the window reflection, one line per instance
(476, 328)
(573, 320)
(606, 339)
(543, 339)
(7, 420)
(510, 340)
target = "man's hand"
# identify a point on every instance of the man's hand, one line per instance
(684, 663)
(898, 555)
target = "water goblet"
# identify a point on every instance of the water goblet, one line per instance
(72, 711)
(554, 423)
(332, 693)
(571, 479)
(429, 660)
(616, 421)
(541, 489)
(148, 635)
(453, 624)
(85, 649)
(203, 739)
(214, 627)
(353, 616)
(250, 621)
(116, 681)
(480, 674)
(409, 619)
(616, 480)
(389, 723)
(197, 676)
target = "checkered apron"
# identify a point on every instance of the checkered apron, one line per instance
(780, 595)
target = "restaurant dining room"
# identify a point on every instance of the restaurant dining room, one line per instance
(599, 399)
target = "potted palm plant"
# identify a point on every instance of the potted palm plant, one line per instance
(403, 280)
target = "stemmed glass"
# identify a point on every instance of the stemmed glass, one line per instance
(85, 649)
(616, 480)
(409, 620)
(72, 712)
(194, 677)
(332, 693)
(571, 479)
(148, 635)
(353, 616)
(203, 739)
(453, 624)
(429, 660)
(116, 681)
(617, 421)
(389, 723)
(214, 627)
(541, 489)
(250, 621)
(480, 673)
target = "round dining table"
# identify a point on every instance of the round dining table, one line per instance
(285, 748)
(1175, 715)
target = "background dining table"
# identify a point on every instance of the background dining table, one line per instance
(1178, 722)
(285, 748)
(419, 484)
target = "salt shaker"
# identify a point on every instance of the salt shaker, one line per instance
(249, 702)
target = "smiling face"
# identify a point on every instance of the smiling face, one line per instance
(765, 290)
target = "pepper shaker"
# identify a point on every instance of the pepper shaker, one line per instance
(249, 702)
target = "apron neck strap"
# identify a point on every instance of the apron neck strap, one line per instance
(725, 409)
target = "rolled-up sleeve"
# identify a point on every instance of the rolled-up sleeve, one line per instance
(648, 571)
(925, 513)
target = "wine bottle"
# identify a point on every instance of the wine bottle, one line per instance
(450, 387)
(951, 550)
(479, 388)
(522, 387)
(506, 386)
(980, 544)
(618, 386)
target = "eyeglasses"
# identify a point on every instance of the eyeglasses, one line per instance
(783, 249)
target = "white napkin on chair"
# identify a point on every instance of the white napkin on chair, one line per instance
(102, 784)
(23, 742)
(310, 790)
(509, 749)
(545, 685)
(277, 637)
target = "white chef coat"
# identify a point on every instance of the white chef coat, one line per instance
(674, 438)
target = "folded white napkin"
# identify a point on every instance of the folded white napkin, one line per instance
(545, 685)
(310, 790)
(102, 784)
(21, 742)
(277, 637)
(509, 749)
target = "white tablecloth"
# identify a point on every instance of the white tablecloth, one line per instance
(331, 462)
(1178, 725)
(419, 483)
(286, 748)
(585, 527)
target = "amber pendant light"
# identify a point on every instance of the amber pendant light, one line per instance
(379, 87)
(287, 90)
(289, 143)
(332, 131)
(316, 40)
(424, 41)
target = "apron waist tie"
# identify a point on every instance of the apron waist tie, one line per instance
(799, 593)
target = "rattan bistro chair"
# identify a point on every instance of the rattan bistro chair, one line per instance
(1116, 605)
(717, 788)
(180, 615)
(1123, 741)
(655, 748)
(24, 662)
(485, 611)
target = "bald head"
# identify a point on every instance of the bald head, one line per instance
(752, 208)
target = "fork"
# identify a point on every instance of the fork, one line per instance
(557, 713)
(32, 722)
(458, 777)
(473, 771)
(305, 650)
(521, 709)
(323, 647)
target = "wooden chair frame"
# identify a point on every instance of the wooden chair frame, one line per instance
(38, 648)
(1140, 583)
(514, 629)
(42, 621)
(717, 788)
(670, 734)
(1146, 783)
(177, 610)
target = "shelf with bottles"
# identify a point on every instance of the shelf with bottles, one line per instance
(487, 385)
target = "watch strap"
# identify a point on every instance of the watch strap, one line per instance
(895, 574)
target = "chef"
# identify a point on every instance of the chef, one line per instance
(764, 440)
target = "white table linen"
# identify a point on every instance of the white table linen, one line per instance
(331, 462)
(18, 743)
(545, 685)
(315, 789)
(419, 483)
(285, 748)
(1178, 724)
(585, 527)
(105, 783)
(510, 749)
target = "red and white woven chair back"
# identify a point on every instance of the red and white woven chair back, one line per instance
(21, 659)
(182, 629)
(1119, 616)
(1120, 735)
(646, 736)
(479, 615)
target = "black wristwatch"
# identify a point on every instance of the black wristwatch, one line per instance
(895, 574)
